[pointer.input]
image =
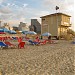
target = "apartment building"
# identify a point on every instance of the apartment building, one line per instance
(35, 26)
(23, 27)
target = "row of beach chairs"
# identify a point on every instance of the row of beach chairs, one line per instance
(41, 42)
(12, 38)
(20, 44)
(10, 45)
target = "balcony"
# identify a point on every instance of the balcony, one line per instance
(65, 24)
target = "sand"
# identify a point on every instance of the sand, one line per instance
(49, 59)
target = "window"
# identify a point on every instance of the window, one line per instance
(43, 19)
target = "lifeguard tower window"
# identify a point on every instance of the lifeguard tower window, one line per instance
(43, 19)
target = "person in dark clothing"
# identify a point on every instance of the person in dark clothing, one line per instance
(50, 40)
(40, 37)
(49, 37)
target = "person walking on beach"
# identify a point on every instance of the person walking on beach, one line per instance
(49, 39)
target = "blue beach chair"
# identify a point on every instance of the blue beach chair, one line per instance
(3, 44)
(73, 42)
(33, 43)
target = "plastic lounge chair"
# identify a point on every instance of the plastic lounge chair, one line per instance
(14, 38)
(21, 45)
(33, 42)
(52, 42)
(0, 38)
(9, 38)
(3, 45)
(10, 44)
(26, 38)
(19, 39)
(73, 42)
(43, 42)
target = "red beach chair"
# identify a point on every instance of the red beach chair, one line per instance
(19, 39)
(9, 44)
(0, 38)
(43, 42)
(21, 45)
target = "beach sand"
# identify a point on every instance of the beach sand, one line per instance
(49, 59)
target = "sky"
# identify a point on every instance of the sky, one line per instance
(16, 11)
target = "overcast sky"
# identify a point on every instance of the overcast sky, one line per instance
(15, 11)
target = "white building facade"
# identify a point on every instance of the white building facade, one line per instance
(23, 27)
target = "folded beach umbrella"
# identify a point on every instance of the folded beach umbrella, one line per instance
(1, 30)
(24, 32)
(46, 34)
(31, 33)
(4, 30)
(12, 32)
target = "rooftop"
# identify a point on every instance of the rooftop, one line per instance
(55, 14)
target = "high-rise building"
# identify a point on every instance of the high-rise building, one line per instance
(35, 26)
